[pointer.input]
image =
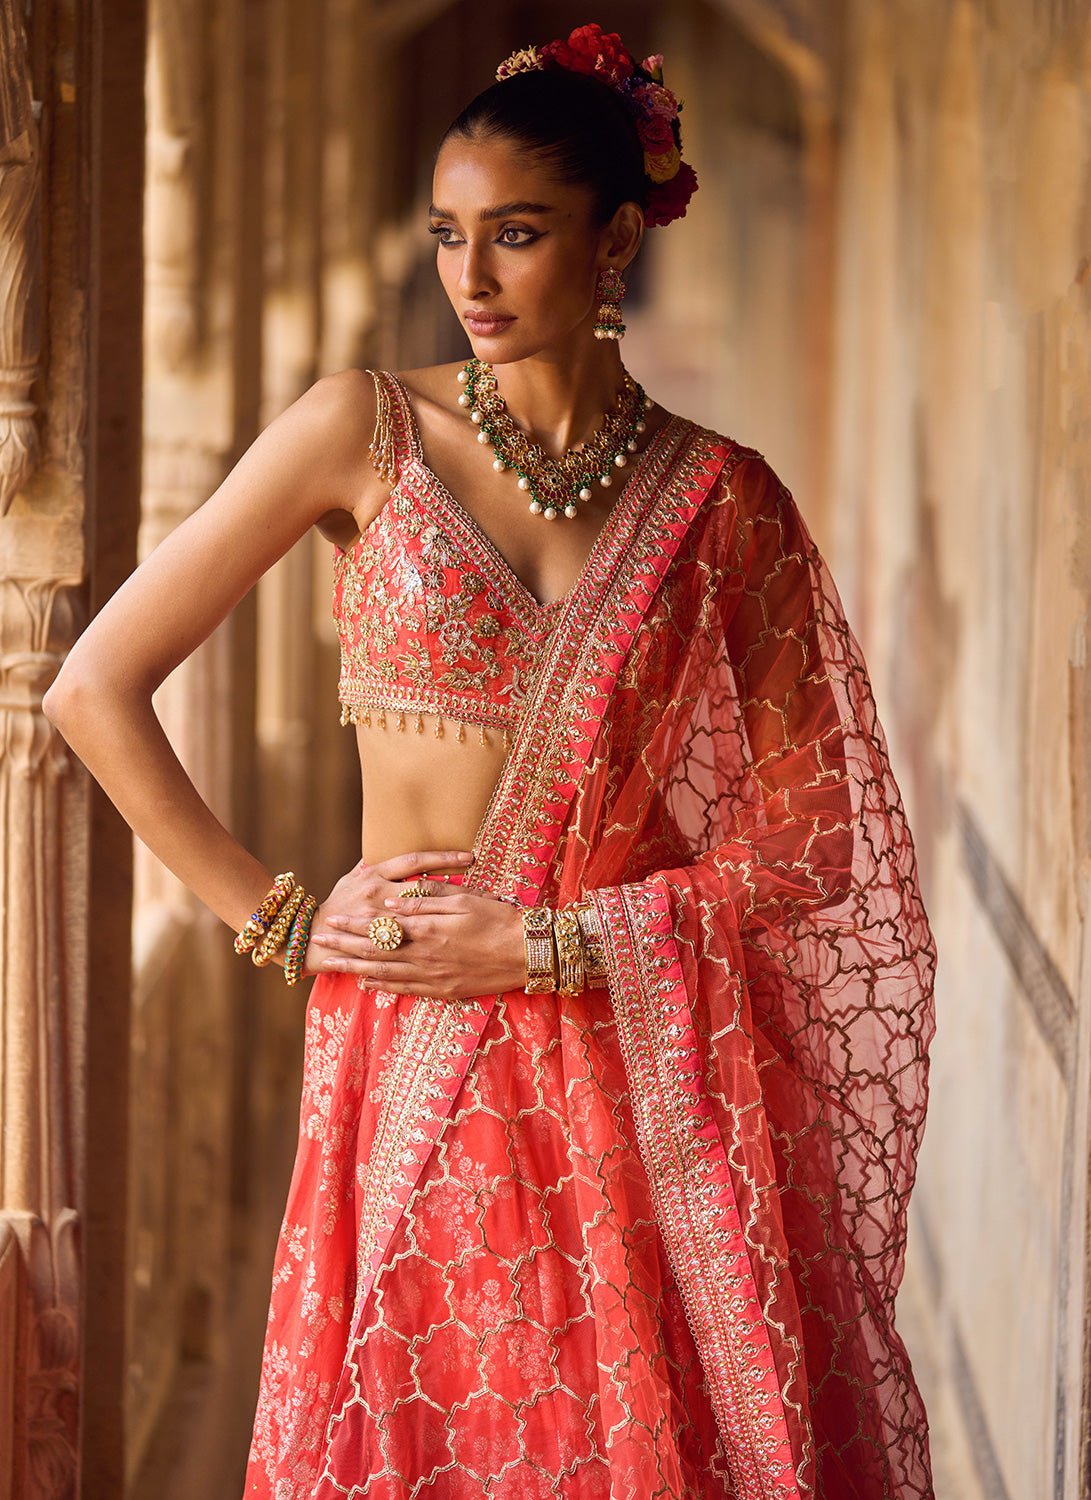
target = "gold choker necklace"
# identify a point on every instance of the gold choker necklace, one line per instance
(554, 484)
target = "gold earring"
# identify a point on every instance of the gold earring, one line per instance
(610, 291)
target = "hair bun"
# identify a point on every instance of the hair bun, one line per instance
(670, 182)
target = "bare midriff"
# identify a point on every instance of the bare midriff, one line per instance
(422, 791)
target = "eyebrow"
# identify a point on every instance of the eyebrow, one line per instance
(501, 211)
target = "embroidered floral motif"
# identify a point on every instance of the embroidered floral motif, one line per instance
(281, 1447)
(325, 1041)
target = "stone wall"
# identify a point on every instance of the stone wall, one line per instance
(963, 490)
(954, 510)
(70, 255)
(932, 416)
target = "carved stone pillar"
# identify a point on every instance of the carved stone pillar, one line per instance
(20, 261)
(64, 910)
(39, 807)
(172, 202)
(37, 1064)
(801, 37)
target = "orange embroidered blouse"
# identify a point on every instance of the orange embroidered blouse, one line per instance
(430, 617)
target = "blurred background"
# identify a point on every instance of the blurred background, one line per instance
(884, 284)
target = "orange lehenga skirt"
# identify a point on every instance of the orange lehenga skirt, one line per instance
(519, 1340)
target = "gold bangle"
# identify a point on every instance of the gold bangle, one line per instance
(277, 935)
(541, 959)
(298, 939)
(566, 934)
(259, 922)
(596, 975)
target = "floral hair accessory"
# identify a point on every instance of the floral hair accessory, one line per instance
(671, 182)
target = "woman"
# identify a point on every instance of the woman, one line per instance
(610, 1115)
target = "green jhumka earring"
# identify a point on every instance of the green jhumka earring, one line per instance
(610, 292)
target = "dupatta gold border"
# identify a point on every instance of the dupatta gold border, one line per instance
(686, 1160)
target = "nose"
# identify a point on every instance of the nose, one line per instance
(476, 279)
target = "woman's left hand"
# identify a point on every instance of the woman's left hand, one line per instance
(457, 941)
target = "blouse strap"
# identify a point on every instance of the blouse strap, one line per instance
(395, 435)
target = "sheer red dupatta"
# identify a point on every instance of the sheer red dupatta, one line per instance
(714, 772)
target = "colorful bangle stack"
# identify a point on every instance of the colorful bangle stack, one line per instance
(565, 950)
(283, 920)
(277, 935)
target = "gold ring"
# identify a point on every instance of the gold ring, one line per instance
(414, 888)
(386, 933)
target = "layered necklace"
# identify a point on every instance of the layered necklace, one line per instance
(555, 485)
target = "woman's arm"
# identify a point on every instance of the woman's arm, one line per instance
(309, 466)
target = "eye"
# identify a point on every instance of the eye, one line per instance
(444, 233)
(513, 234)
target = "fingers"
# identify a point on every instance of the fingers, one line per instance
(351, 939)
(398, 970)
(405, 866)
(442, 899)
(440, 903)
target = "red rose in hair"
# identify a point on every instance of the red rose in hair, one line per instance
(591, 50)
(656, 135)
(668, 201)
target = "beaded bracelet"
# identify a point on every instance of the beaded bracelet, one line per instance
(566, 935)
(298, 939)
(277, 935)
(258, 923)
(541, 958)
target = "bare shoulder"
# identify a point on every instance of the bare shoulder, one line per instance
(337, 409)
(334, 420)
(433, 391)
(334, 416)
(438, 383)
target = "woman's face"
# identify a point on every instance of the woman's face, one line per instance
(519, 252)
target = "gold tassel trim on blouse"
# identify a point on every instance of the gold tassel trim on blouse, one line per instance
(383, 451)
(353, 715)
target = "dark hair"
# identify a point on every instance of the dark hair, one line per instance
(574, 122)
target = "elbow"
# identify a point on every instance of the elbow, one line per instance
(70, 699)
(54, 702)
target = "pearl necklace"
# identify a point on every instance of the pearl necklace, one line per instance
(554, 484)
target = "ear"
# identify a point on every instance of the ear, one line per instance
(622, 236)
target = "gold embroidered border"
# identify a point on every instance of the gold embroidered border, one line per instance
(424, 1056)
(689, 1175)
